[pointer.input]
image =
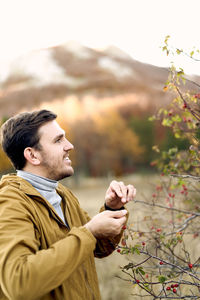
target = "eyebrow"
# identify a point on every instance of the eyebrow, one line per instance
(59, 136)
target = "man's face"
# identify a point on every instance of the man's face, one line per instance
(54, 153)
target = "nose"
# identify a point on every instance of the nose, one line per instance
(68, 146)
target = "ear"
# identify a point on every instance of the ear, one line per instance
(32, 156)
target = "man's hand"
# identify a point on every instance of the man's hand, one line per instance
(118, 194)
(107, 223)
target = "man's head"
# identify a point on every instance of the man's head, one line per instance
(35, 142)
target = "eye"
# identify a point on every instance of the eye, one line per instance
(58, 140)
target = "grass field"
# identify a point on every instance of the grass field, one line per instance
(91, 197)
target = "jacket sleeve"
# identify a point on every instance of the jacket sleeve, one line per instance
(26, 271)
(105, 246)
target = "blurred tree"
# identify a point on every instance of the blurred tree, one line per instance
(145, 130)
(5, 163)
(105, 144)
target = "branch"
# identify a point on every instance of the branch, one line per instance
(197, 116)
(184, 225)
(173, 265)
(186, 176)
(166, 207)
(188, 55)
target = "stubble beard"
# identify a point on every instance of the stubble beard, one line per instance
(52, 171)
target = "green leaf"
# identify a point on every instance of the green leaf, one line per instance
(135, 250)
(151, 119)
(167, 122)
(177, 118)
(191, 53)
(177, 135)
(172, 151)
(162, 279)
(178, 51)
(125, 251)
(146, 286)
(141, 270)
(129, 266)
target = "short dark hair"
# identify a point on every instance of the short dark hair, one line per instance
(21, 131)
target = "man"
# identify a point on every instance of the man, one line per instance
(47, 242)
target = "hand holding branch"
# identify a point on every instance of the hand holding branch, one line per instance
(118, 194)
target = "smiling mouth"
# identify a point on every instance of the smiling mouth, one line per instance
(67, 159)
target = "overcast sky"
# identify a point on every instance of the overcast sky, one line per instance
(136, 26)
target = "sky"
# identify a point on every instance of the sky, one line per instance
(138, 27)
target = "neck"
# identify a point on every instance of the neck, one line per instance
(35, 171)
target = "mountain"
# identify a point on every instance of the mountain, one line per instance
(50, 74)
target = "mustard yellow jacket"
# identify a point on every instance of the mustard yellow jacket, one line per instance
(40, 258)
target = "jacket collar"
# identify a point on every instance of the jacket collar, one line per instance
(25, 186)
(28, 189)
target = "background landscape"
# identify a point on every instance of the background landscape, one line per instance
(103, 100)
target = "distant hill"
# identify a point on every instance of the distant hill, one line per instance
(71, 69)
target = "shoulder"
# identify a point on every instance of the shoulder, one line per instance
(16, 193)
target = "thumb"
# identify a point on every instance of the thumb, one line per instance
(118, 214)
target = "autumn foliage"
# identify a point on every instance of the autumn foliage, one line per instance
(104, 143)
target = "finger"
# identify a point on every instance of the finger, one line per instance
(118, 214)
(120, 189)
(115, 187)
(121, 221)
(131, 192)
(124, 192)
(110, 195)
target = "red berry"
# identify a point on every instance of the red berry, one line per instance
(161, 263)
(158, 230)
(124, 227)
(176, 285)
(172, 285)
(123, 242)
(137, 281)
(184, 105)
(174, 290)
(197, 96)
(143, 243)
(168, 288)
(118, 250)
(190, 266)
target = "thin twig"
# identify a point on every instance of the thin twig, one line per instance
(166, 207)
